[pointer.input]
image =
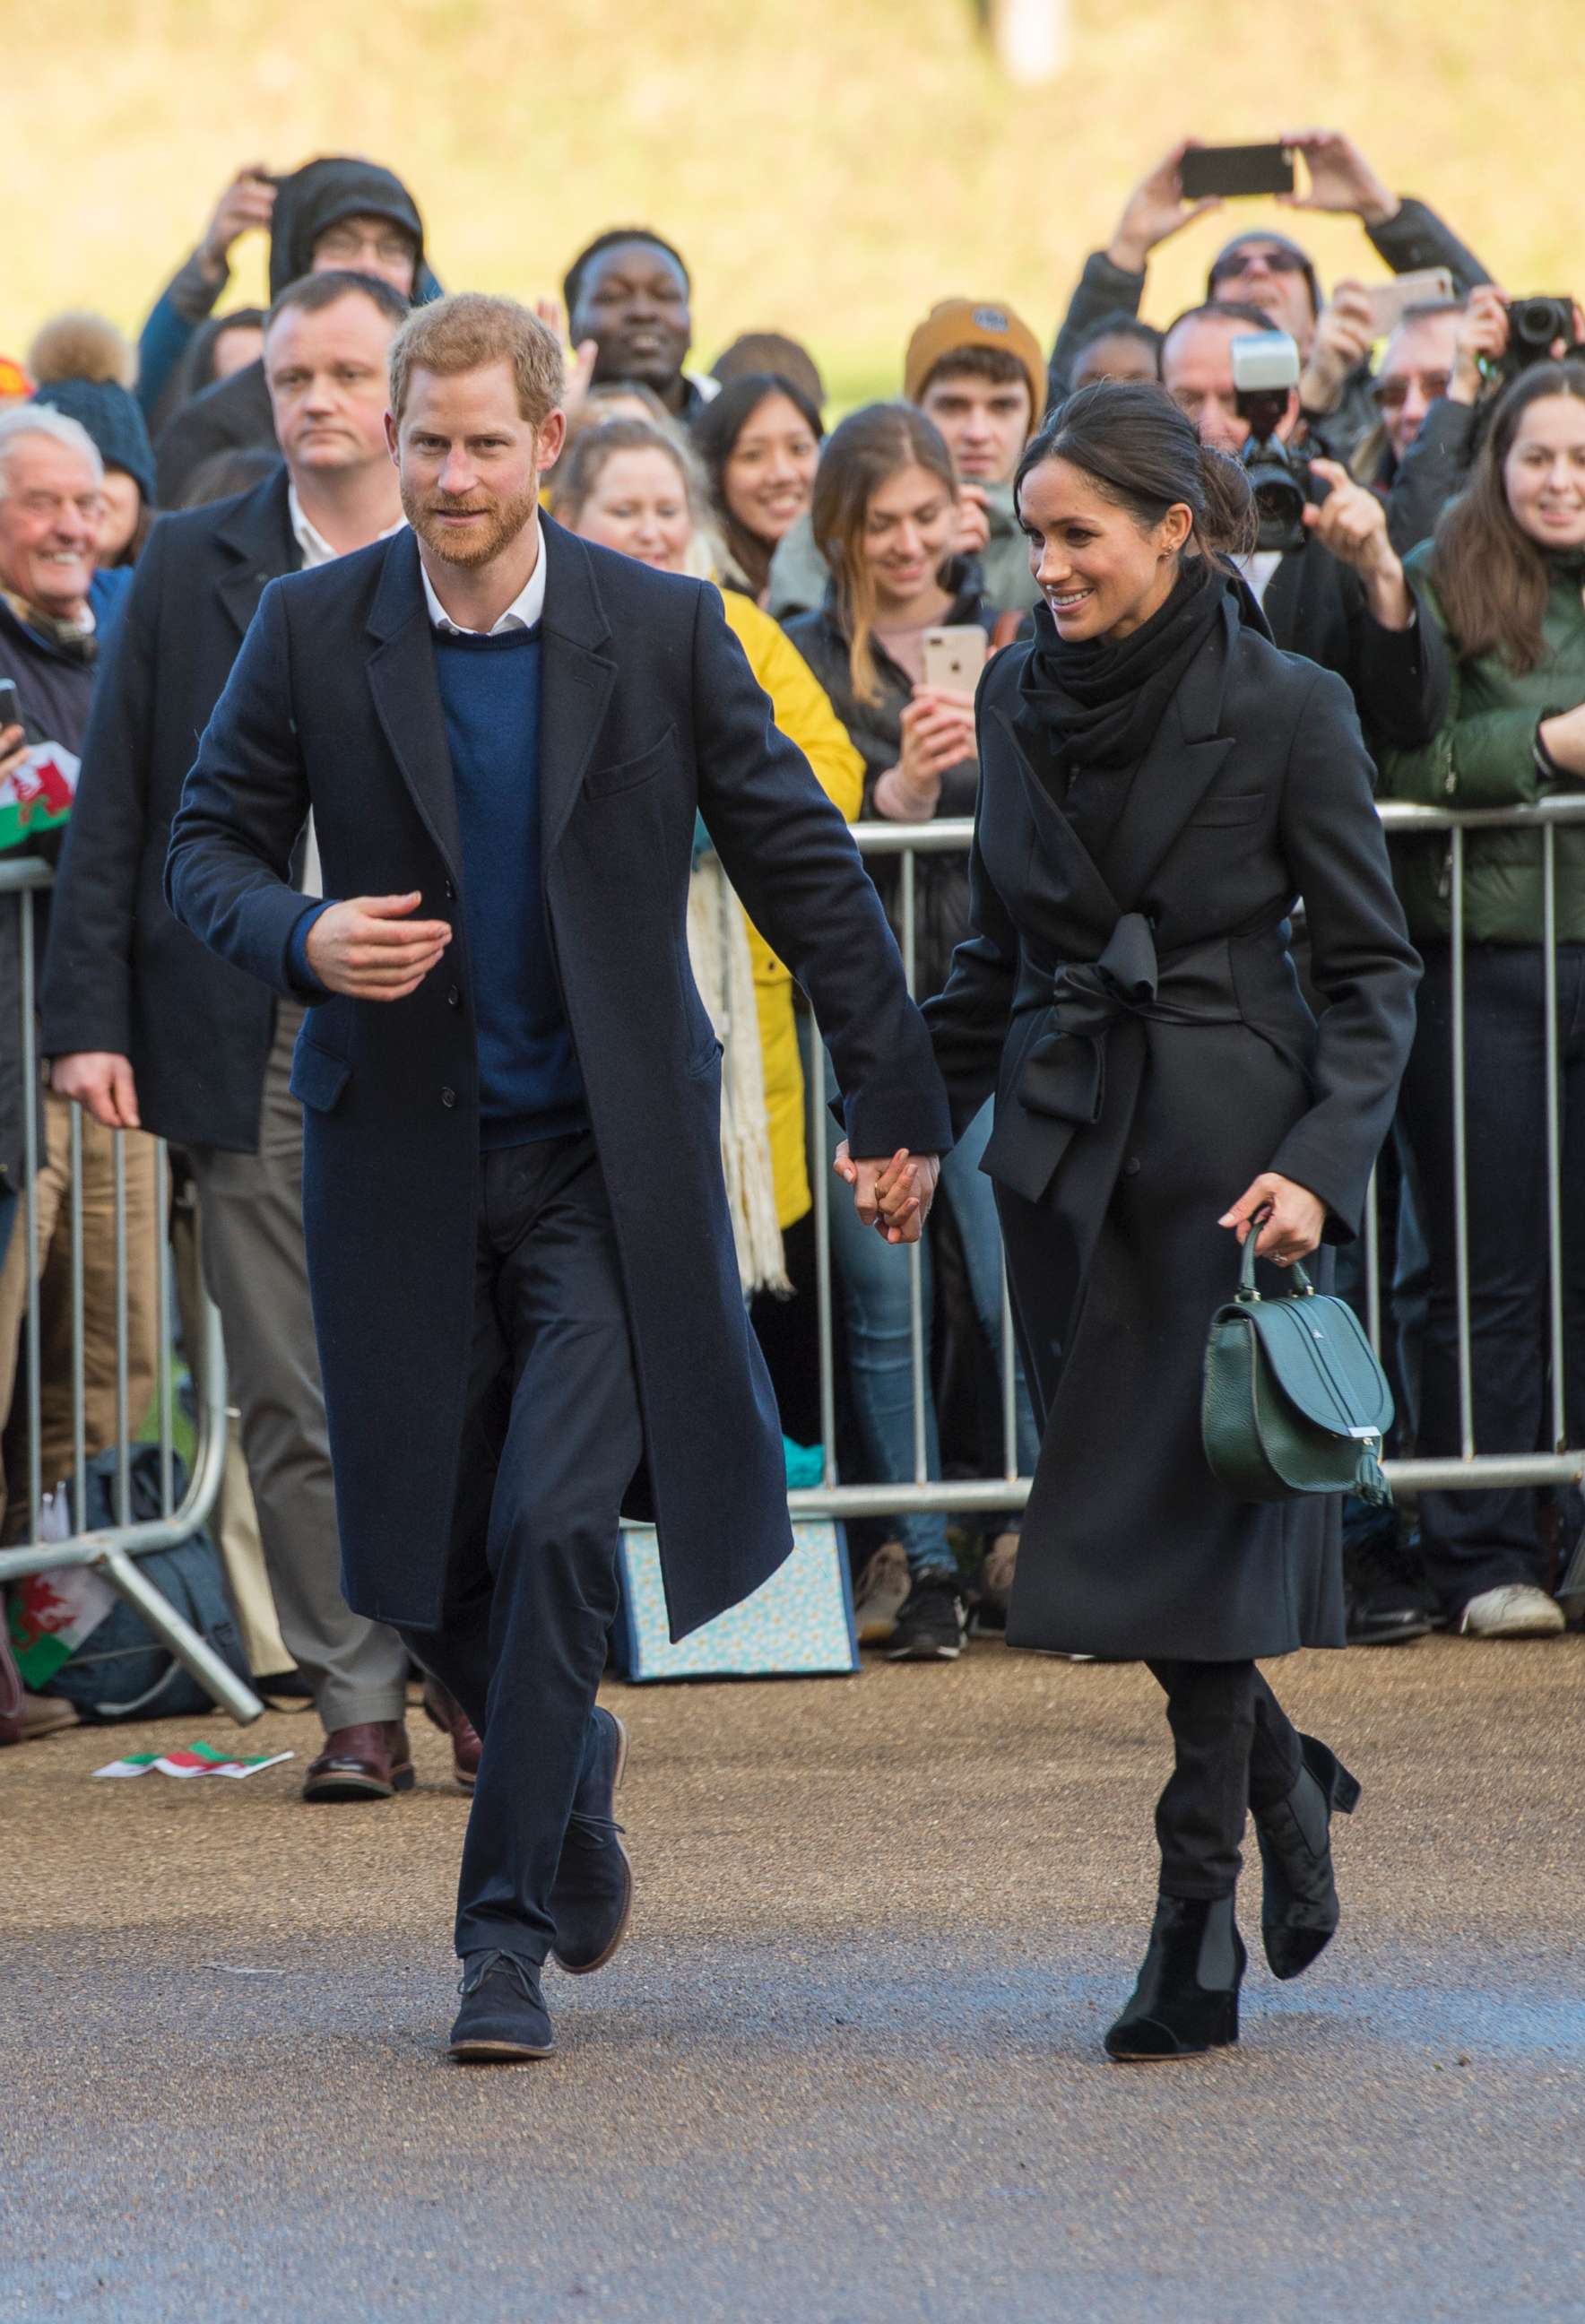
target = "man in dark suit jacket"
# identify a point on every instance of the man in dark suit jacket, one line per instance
(144, 1025)
(524, 1279)
(1316, 599)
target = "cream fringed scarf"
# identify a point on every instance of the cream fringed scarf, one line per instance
(718, 948)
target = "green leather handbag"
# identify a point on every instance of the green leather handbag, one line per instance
(1295, 1401)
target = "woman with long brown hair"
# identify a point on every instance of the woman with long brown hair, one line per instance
(885, 515)
(1158, 785)
(1504, 580)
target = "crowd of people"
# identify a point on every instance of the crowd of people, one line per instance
(1422, 476)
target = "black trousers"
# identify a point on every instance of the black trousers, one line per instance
(1473, 1542)
(550, 1440)
(1234, 1749)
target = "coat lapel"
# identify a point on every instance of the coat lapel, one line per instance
(406, 694)
(257, 537)
(1081, 888)
(1176, 771)
(575, 678)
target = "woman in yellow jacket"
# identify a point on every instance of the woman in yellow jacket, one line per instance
(635, 487)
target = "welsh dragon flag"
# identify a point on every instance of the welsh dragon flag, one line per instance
(39, 795)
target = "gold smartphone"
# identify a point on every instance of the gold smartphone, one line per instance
(955, 656)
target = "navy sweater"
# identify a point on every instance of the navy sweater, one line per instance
(529, 1085)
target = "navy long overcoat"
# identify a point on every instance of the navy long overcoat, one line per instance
(649, 713)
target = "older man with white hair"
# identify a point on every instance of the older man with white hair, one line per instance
(50, 504)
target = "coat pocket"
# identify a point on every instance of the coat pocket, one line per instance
(1244, 807)
(317, 1077)
(604, 782)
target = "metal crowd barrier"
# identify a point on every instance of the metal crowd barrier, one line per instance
(112, 1551)
(1470, 1467)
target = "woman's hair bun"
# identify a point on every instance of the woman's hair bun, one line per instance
(1229, 526)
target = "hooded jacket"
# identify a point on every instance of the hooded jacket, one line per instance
(235, 414)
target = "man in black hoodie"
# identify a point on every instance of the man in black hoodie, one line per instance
(338, 213)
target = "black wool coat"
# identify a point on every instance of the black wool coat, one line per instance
(1140, 1020)
(122, 974)
(648, 714)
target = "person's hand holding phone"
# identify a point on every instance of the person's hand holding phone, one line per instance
(12, 751)
(937, 732)
(1483, 338)
(1156, 210)
(1340, 178)
(1343, 336)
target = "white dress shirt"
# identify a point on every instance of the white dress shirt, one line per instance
(523, 614)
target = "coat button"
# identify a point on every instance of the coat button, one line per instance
(1132, 1166)
(448, 1097)
(454, 996)
(450, 888)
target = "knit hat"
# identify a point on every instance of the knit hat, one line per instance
(113, 420)
(958, 323)
(1283, 241)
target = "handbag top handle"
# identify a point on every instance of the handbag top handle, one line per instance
(1303, 1287)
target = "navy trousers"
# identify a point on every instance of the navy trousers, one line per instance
(551, 1439)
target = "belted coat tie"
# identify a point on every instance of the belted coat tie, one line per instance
(1139, 1018)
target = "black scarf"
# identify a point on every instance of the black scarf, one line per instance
(1099, 701)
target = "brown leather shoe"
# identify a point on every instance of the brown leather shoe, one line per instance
(444, 1710)
(362, 1763)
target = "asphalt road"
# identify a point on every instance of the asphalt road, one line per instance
(848, 2065)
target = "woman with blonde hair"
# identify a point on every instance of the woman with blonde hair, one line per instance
(634, 486)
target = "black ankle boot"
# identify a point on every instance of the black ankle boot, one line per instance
(1187, 1997)
(1299, 1912)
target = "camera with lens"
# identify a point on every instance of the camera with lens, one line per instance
(1535, 326)
(1265, 371)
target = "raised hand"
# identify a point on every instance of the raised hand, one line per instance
(1343, 335)
(580, 359)
(1351, 523)
(248, 202)
(1156, 210)
(1340, 178)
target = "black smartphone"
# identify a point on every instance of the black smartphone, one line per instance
(10, 704)
(1237, 169)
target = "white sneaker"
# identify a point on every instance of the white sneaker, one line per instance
(881, 1593)
(1516, 1610)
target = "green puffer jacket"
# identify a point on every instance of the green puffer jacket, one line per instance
(1483, 756)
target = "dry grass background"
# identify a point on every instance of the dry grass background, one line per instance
(829, 166)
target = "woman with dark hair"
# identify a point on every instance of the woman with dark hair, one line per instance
(1503, 580)
(885, 513)
(1159, 786)
(759, 441)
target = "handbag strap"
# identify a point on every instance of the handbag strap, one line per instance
(1303, 1287)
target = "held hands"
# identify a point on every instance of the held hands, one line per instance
(1351, 522)
(893, 1197)
(102, 1083)
(1294, 1228)
(371, 949)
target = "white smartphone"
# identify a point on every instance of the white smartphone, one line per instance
(955, 656)
(1390, 302)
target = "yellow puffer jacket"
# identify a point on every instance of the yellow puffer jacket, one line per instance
(805, 715)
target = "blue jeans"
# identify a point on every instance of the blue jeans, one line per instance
(872, 1276)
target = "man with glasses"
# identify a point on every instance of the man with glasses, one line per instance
(1269, 270)
(338, 215)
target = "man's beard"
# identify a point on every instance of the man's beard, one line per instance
(504, 520)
